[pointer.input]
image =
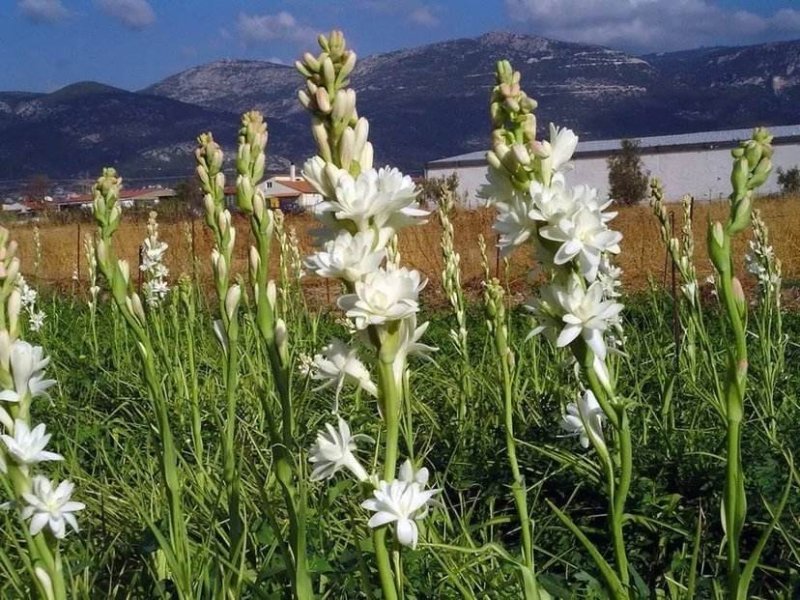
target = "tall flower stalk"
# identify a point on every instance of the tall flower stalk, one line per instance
(117, 274)
(282, 430)
(45, 509)
(751, 166)
(451, 282)
(218, 218)
(362, 211)
(497, 322)
(577, 307)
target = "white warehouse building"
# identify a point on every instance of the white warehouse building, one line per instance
(694, 163)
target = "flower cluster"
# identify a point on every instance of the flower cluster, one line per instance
(29, 296)
(363, 209)
(23, 446)
(152, 264)
(568, 226)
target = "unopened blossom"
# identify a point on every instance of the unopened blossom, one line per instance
(334, 451)
(383, 296)
(339, 364)
(27, 447)
(587, 315)
(348, 257)
(402, 503)
(583, 236)
(584, 419)
(51, 507)
(27, 369)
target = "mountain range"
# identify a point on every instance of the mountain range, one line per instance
(423, 103)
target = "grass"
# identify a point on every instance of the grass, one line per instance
(100, 422)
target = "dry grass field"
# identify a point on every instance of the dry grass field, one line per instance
(642, 258)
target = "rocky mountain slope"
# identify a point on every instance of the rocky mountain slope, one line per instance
(423, 103)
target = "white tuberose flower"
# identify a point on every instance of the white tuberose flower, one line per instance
(51, 507)
(337, 364)
(585, 313)
(402, 503)
(27, 368)
(584, 419)
(384, 295)
(583, 235)
(347, 257)
(333, 451)
(27, 447)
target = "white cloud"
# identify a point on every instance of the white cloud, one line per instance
(650, 24)
(43, 11)
(279, 27)
(415, 11)
(423, 15)
(134, 14)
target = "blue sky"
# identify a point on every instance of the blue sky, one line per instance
(46, 44)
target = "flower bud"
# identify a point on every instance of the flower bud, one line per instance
(323, 101)
(255, 262)
(14, 305)
(741, 214)
(5, 349)
(347, 67)
(521, 154)
(347, 147)
(310, 62)
(739, 175)
(232, 299)
(13, 270)
(716, 247)
(259, 205)
(366, 158)
(272, 294)
(124, 269)
(304, 99)
(135, 307)
(328, 72)
(739, 298)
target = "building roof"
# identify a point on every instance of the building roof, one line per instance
(728, 138)
(301, 185)
(132, 194)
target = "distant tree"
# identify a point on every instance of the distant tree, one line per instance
(627, 179)
(37, 187)
(189, 195)
(431, 188)
(789, 180)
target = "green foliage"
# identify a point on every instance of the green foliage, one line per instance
(789, 180)
(100, 414)
(627, 179)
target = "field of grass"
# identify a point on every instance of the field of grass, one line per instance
(100, 417)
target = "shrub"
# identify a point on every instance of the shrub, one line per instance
(789, 180)
(627, 179)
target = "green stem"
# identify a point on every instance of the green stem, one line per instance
(390, 399)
